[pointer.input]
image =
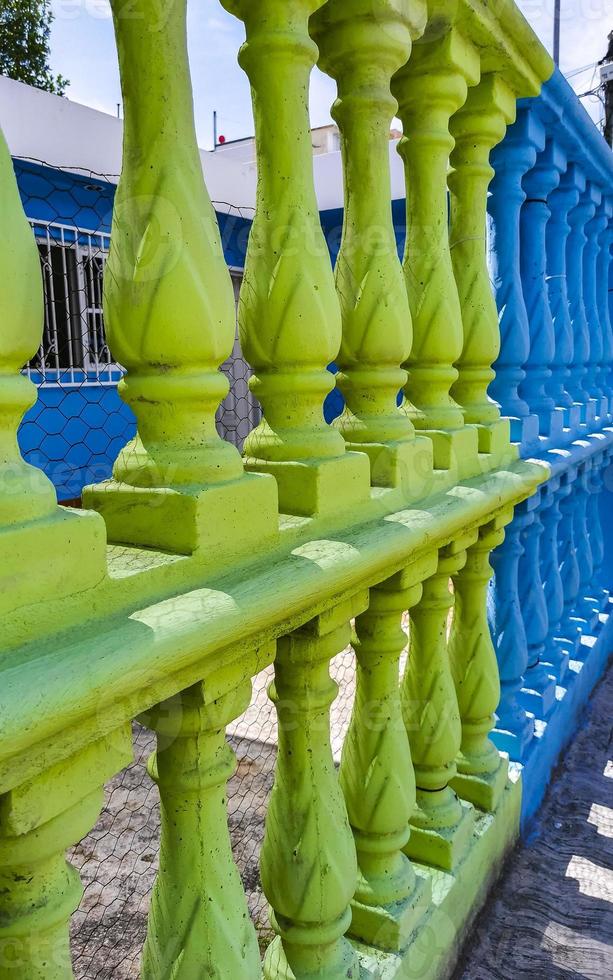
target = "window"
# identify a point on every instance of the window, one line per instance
(61, 348)
(93, 270)
(73, 349)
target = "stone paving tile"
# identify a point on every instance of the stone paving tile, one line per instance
(550, 917)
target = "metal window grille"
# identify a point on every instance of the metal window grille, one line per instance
(73, 349)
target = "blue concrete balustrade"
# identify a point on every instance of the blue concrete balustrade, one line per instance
(551, 230)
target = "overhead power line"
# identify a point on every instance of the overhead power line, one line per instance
(579, 71)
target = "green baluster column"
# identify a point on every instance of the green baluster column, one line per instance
(308, 859)
(482, 772)
(477, 128)
(39, 821)
(198, 923)
(377, 773)
(430, 89)
(169, 315)
(32, 526)
(361, 45)
(30, 495)
(289, 316)
(442, 826)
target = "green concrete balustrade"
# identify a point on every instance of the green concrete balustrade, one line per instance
(430, 89)
(477, 127)
(481, 771)
(441, 825)
(39, 820)
(377, 775)
(22, 307)
(361, 46)
(32, 526)
(288, 273)
(309, 865)
(201, 568)
(198, 917)
(178, 485)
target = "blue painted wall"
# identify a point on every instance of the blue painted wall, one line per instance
(75, 435)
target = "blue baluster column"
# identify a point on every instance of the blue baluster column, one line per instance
(569, 567)
(511, 160)
(539, 691)
(514, 725)
(586, 609)
(578, 218)
(593, 230)
(605, 381)
(562, 200)
(610, 281)
(538, 185)
(594, 521)
(555, 654)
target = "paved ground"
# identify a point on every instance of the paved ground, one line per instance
(551, 915)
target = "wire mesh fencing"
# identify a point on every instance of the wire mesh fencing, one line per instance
(118, 862)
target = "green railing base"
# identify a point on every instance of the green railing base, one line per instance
(432, 951)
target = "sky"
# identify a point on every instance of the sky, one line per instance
(83, 50)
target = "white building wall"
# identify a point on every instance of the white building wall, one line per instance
(69, 136)
(66, 135)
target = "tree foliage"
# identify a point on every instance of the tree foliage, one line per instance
(25, 26)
